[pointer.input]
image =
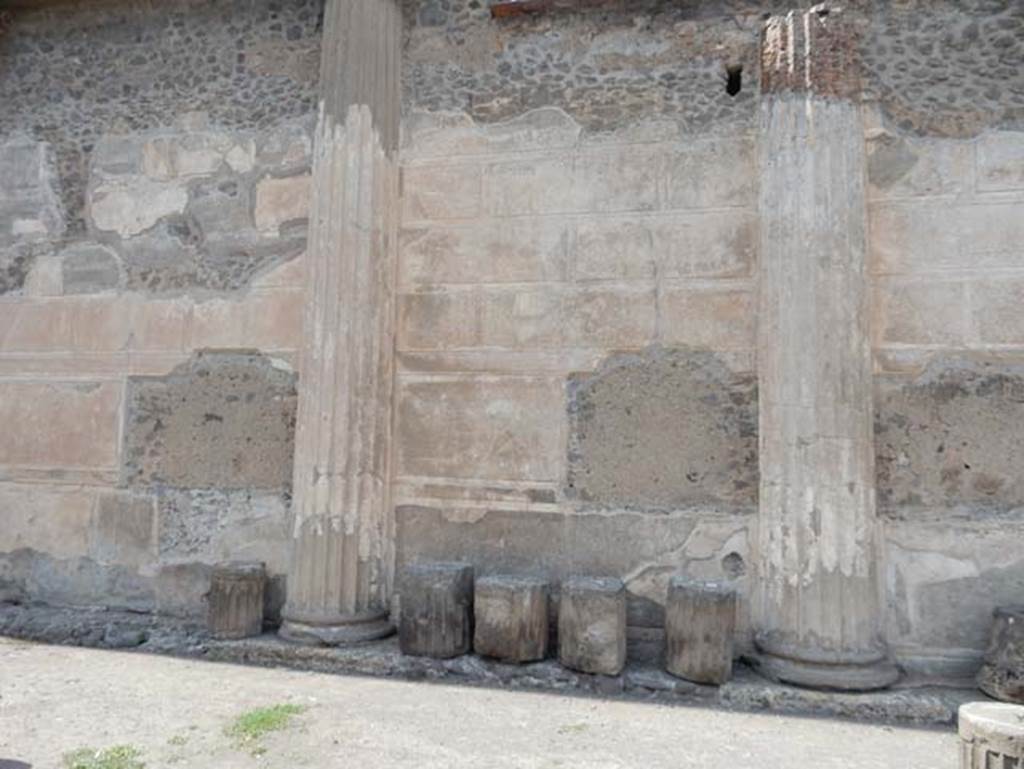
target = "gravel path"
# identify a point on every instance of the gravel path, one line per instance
(176, 713)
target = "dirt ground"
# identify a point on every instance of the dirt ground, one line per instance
(179, 713)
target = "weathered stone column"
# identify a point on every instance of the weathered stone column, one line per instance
(340, 579)
(817, 602)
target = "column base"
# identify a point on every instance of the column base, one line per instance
(846, 677)
(336, 631)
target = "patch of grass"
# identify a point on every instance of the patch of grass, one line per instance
(177, 740)
(117, 757)
(251, 726)
(572, 728)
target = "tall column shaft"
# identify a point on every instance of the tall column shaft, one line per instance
(817, 604)
(340, 578)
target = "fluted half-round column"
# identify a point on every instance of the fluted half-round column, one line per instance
(340, 578)
(817, 603)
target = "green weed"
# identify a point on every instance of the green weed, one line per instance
(117, 757)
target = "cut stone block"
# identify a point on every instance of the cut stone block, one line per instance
(1002, 674)
(511, 618)
(437, 610)
(700, 619)
(991, 735)
(235, 600)
(592, 625)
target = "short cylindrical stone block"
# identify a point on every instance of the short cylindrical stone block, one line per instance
(235, 601)
(991, 735)
(1002, 674)
(436, 619)
(511, 618)
(700, 619)
(592, 625)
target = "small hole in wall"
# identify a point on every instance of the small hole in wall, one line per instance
(734, 79)
(733, 565)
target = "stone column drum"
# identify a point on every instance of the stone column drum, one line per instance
(1002, 674)
(511, 618)
(436, 618)
(235, 601)
(991, 735)
(700, 624)
(592, 625)
(817, 602)
(340, 579)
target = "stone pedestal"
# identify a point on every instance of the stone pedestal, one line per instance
(700, 623)
(511, 618)
(592, 625)
(817, 600)
(339, 584)
(1002, 674)
(437, 610)
(991, 735)
(235, 600)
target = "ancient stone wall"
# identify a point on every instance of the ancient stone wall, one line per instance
(576, 365)
(154, 174)
(576, 322)
(947, 254)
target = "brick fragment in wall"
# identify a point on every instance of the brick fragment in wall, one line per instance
(661, 430)
(951, 438)
(222, 420)
(814, 51)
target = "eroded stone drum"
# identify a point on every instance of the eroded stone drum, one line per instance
(592, 625)
(235, 601)
(436, 618)
(511, 618)
(1002, 674)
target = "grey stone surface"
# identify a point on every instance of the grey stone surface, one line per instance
(123, 529)
(700, 622)
(89, 268)
(510, 616)
(437, 610)
(1002, 674)
(592, 625)
(31, 217)
(181, 588)
(222, 420)
(80, 581)
(235, 600)
(951, 438)
(662, 430)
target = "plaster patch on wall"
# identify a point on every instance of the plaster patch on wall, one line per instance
(222, 420)
(952, 438)
(662, 430)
